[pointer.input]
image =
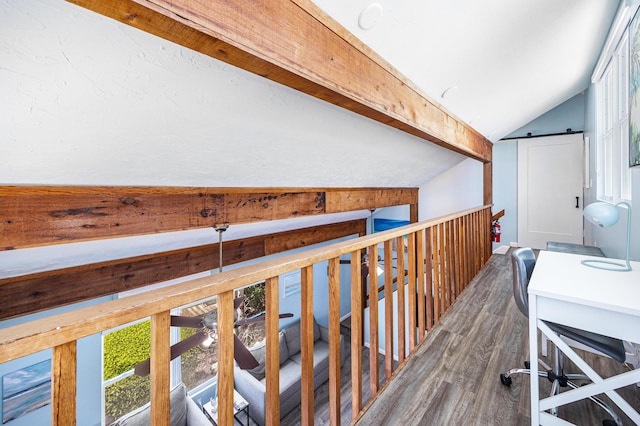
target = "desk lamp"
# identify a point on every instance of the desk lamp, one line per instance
(605, 215)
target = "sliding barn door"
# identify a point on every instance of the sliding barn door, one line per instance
(550, 174)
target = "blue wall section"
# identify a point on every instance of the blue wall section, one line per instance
(570, 114)
(505, 189)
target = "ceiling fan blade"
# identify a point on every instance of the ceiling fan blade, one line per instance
(345, 261)
(192, 322)
(143, 368)
(258, 318)
(243, 356)
(237, 302)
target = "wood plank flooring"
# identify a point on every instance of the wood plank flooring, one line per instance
(453, 378)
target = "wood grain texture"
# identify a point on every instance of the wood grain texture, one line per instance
(31, 293)
(63, 384)
(388, 307)
(24, 339)
(43, 215)
(272, 372)
(401, 299)
(306, 345)
(307, 51)
(357, 309)
(160, 371)
(225, 356)
(411, 287)
(334, 341)
(420, 284)
(428, 264)
(373, 320)
(453, 378)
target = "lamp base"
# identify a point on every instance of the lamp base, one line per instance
(618, 267)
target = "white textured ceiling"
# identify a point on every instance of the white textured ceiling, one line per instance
(502, 63)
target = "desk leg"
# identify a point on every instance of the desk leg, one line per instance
(533, 361)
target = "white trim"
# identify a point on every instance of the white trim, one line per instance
(620, 24)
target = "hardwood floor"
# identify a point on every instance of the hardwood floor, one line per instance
(453, 378)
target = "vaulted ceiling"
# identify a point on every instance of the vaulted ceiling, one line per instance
(496, 64)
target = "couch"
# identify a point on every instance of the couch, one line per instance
(251, 383)
(184, 412)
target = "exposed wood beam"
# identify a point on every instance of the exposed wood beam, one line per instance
(41, 215)
(46, 290)
(296, 44)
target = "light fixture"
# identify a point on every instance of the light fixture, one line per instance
(605, 215)
(220, 229)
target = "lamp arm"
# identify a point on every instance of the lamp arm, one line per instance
(628, 206)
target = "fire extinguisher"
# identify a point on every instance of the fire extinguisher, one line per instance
(496, 232)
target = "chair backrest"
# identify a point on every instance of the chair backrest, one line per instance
(522, 261)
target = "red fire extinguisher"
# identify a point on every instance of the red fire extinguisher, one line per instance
(496, 232)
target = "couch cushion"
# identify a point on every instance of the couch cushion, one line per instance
(289, 381)
(259, 353)
(292, 334)
(320, 356)
(142, 416)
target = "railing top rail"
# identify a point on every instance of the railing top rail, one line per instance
(45, 333)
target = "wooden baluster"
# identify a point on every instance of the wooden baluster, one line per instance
(225, 357)
(420, 283)
(401, 299)
(436, 274)
(306, 344)
(373, 320)
(388, 308)
(458, 254)
(160, 372)
(63, 384)
(411, 289)
(444, 269)
(356, 334)
(429, 278)
(334, 341)
(451, 261)
(272, 322)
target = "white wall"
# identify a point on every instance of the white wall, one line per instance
(457, 189)
(88, 100)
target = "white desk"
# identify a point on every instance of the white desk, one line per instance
(564, 291)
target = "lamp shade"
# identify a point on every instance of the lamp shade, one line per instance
(601, 214)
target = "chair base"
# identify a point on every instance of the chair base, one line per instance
(559, 381)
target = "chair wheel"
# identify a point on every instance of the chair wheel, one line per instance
(609, 422)
(506, 380)
(527, 365)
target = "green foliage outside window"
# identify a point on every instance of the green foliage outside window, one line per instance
(123, 349)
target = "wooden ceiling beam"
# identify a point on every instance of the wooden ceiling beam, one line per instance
(36, 292)
(295, 43)
(33, 216)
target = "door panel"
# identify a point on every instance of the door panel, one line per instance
(549, 180)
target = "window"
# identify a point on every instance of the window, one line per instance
(612, 143)
(125, 346)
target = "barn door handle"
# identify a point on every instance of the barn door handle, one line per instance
(577, 202)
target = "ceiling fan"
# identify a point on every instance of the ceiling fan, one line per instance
(208, 334)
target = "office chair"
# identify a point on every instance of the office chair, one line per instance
(523, 261)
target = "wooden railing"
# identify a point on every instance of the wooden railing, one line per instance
(451, 250)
